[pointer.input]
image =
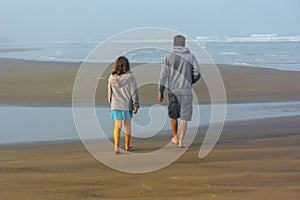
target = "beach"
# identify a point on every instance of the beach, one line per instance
(253, 159)
(57, 126)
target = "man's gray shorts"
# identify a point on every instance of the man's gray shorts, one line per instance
(181, 106)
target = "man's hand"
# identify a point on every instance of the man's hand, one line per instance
(160, 99)
(135, 110)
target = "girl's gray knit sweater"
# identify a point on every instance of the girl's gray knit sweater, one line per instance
(122, 92)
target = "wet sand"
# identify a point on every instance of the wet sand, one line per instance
(256, 159)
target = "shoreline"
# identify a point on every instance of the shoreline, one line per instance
(78, 140)
(145, 105)
(133, 63)
(57, 123)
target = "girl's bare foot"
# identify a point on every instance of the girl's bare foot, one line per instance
(129, 148)
(117, 150)
(174, 140)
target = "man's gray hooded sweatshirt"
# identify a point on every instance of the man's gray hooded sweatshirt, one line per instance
(180, 70)
(122, 92)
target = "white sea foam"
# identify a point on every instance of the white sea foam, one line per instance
(142, 41)
(48, 58)
(62, 59)
(240, 63)
(228, 53)
(75, 42)
(251, 38)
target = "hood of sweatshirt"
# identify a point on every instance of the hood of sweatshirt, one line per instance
(119, 81)
(183, 52)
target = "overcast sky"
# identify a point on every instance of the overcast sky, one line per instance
(96, 19)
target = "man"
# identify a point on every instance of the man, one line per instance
(180, 70)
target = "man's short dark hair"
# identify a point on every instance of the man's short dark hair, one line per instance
(179, 40)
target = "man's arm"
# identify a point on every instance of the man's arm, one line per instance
(162, 81)
(196, 74)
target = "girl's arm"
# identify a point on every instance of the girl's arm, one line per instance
(134, 91)
(109, 92)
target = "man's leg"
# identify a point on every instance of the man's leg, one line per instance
(174, 114)
(183, 126)
(174, 124)
(186, 111)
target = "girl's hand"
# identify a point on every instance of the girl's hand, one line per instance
(160, 99)
(135, 110)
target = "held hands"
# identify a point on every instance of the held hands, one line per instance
(160, 99)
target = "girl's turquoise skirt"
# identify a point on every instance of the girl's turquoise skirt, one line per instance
(121, 114)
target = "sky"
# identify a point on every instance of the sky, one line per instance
(49, 20)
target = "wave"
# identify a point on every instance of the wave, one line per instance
(74, 42)
(48, 58)
(228, 53)
(142, 41)
(251, 38)
(61, 59)
(241, 63)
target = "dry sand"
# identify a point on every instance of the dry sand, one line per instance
(252, 160)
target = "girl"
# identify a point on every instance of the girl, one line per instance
(123, 97)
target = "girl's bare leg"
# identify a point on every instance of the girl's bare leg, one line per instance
(127, 126)
(117, 129)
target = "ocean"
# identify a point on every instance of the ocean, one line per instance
(261, 50)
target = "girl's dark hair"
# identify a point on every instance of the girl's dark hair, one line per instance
(121, 66)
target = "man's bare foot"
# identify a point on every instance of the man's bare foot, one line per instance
(182, 145)
(174, 140)
(130, 148)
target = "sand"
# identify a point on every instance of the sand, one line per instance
(36, 83)
(256, 159)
